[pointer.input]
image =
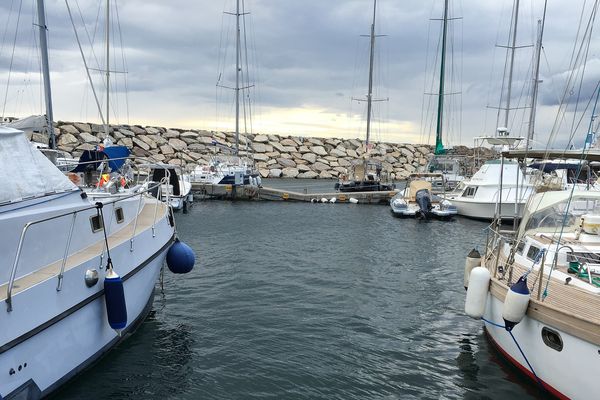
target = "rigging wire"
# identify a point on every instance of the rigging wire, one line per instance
(12, 57)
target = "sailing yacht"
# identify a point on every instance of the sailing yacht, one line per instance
(448, 165)
(366, 174)
(78, 270)
(231, 169)
(537, 291)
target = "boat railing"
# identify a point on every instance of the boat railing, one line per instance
(496, 238)
(73, 214)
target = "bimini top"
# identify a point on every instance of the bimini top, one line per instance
(25, 170)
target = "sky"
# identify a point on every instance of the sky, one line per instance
(307, 60)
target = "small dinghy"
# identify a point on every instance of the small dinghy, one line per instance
(418, 201)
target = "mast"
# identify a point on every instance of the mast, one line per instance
(107, 67)
(439, 146)
(512, 47)
(41, 10)
(370, 93)
(536, 77)
(237, 79)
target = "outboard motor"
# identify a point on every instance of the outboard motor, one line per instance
(423, 199)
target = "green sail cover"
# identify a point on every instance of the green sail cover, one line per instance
(439, 147)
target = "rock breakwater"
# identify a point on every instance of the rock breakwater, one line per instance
(275, 156)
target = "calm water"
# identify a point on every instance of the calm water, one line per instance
(309, 301)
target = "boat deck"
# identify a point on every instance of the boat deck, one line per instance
(144, 221)
(567, 307)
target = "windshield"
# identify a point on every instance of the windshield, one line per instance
(554, 217)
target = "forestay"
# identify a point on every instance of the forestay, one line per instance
(26, 171)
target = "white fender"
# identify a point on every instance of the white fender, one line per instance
(353, 200)
(332, 200)
(515, 303)
(473, 260)
(324, 200)
(477, 292)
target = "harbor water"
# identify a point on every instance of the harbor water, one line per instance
(309, 301)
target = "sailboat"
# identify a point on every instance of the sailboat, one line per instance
(230, 169)
(449, 166)
(367, 174)
(500, 188)
(536, 288)
(77, 274)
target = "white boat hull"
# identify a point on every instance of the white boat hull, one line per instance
(70, 341)
(570, 373)
(485, 210)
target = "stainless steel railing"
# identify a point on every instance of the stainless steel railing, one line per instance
(74, 214)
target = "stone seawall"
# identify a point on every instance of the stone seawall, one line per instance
(275, 156)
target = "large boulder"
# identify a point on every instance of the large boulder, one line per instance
(67, 139)
(177, 144)
(171, 133)
(166, 149)
(148, 141)
(286, 162)
(140, 143)
(288, 142)
(83, 127)
(290, 172)
(261, 157)
(262, 148)
(319, 150)
(325, 175)
(319, 166)
(352, 153)
(261, 139)
(310, 157)
(69, 129)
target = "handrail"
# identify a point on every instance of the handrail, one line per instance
(29, 224)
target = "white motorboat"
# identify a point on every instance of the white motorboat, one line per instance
(538, 292)
(61, 250)
(177, 186)
(224, 170)
(497, 188)
(419, 201)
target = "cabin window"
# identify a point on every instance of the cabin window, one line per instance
(97, 224)
(520, 248)
(532, 252)
(552, 339)
(470, 191)
(119, 214)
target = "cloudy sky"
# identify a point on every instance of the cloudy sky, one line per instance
(307, 61)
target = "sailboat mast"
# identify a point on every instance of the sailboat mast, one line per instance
(536, 77)
(41, 10)
(107, 67)
(439, 146)
(512, 48)
(371, 59)
(237, 79)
